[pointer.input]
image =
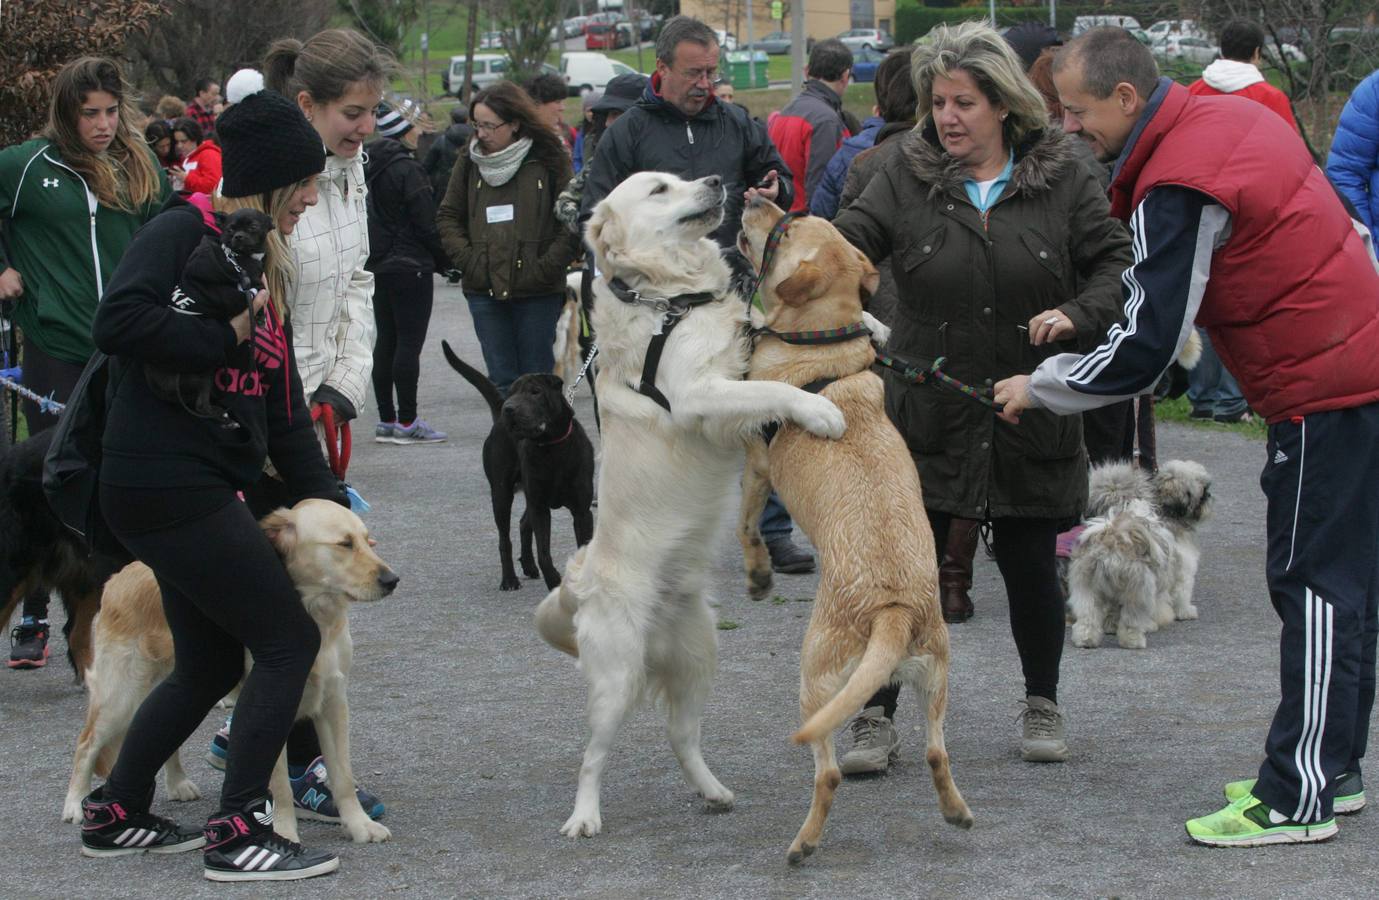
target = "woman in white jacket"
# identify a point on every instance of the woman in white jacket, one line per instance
(337, 79)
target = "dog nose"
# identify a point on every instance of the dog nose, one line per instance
(388, 579)
(714, 181)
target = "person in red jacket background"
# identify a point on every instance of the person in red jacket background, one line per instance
(199, 170)
(1235, 227)
(1237, 71)
(810, 129)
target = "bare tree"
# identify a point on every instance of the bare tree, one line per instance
(212, 38)
(41, 36)
(526, 27)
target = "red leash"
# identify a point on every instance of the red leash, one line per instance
(338, 441)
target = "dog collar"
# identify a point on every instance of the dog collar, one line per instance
(673, 309)
(827, 336)
(569, 430)
(773, 239)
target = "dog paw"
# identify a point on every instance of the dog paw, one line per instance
(183, 790)
(759, 583)
(510, 583)
(553, 581)
(582, 825)
(798, 853)
(880, 331)
(71, 810)
(821, 418)
(1085, 638)
(719, 801)
(1132, 640)
(1187, 614)
(369, 832)
(529, 568)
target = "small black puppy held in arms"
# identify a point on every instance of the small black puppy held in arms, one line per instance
(538, 446)
(220, 281)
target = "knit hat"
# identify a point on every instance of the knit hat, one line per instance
(242, 84)
(266, 143)
(390, 122)
(621, 93)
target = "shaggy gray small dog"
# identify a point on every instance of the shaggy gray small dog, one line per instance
(1135, 565)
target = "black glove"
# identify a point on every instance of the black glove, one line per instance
(343, 408)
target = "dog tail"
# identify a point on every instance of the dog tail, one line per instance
(889, 643)
(476, 378)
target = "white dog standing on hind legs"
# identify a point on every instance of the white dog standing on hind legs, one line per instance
(632, 606)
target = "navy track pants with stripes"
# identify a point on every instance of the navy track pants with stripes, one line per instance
(1322, 485)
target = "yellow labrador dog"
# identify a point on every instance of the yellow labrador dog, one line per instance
(632, 605)
(328, 555)
(876, 618)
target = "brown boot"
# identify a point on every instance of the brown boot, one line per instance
(955, 572)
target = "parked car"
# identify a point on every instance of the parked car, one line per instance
(584, 72)
(874, 38)
(574, 26)
(1180, 27)
(1087, 23)
(1178, 48)
(488, 68)
(602, 18)
(491, 40)
(726, 40)
(778, 42)
(865, 63)
(606, 36)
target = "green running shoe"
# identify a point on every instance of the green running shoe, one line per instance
(1350, 793)
(1248, 822)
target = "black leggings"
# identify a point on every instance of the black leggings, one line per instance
(224, 590)
(1025, 555)
(402, 311)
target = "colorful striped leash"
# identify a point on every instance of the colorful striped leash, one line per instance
(921, 374)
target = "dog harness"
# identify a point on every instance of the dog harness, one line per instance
(672, 310)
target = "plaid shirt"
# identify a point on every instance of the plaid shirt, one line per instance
(205, 118)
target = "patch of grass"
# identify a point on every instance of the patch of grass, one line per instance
(1180, 410)
(778, 600)
(727, 625)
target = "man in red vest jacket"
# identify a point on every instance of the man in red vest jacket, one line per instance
(1234, 226)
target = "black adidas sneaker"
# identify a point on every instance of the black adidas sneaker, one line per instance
(109, 828)
(242, 846)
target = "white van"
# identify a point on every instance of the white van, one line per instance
(488, 68)
(1087, 23)
(584, 72)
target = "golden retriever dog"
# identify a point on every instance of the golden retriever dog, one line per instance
(876, 618)
(632, 606)
(327, 552)
(568, 358)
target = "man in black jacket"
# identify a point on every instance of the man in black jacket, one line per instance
(444, 150)
(680, 127)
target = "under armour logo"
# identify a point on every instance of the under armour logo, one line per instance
(50, 182)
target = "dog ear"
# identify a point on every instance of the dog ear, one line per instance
(871, 279)
(808, 282)
(603, 232)
(280, 527)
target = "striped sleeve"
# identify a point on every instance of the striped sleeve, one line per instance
(1174, 232)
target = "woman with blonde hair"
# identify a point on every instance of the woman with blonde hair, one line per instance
(70, 202)
(168, 490)
(1003, 253)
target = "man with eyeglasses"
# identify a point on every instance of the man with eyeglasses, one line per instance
(679, 126)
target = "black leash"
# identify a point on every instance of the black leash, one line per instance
(672, 310)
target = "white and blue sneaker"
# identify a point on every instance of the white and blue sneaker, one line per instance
(417, 433)
(313, 799)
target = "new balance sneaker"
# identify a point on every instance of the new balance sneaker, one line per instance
(417, 433)
(313, 799)
(29, 644)
(109, 828)
(1043, 739)
(242, 846)
(219, 750)
(875, 744)
(1349, 799)
(383, 432)
(1249, 822)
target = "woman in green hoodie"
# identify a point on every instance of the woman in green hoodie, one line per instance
(70, 201)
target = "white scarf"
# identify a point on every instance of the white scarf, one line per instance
(497, 168)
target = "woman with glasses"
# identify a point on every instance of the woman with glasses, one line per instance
(498, 225)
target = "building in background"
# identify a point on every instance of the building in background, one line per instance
(823, 18)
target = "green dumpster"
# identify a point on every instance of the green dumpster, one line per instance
(740, 69)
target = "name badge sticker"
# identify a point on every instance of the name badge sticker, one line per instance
(499, 213)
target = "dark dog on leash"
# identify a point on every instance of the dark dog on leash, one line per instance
(536, 445)
(219, 281)
(38, 554)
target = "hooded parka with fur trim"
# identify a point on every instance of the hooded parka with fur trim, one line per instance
(968, 285)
